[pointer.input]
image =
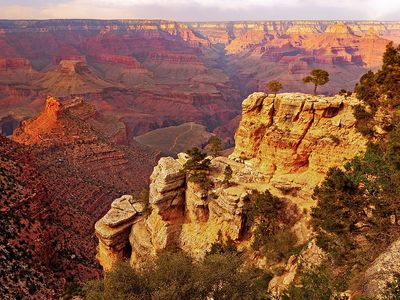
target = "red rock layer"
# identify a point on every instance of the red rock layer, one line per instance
(128, 68)
(80, 171)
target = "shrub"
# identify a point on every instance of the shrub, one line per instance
(270, 218)
(174, 276)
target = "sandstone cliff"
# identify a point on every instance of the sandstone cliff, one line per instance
(180, 214)
(295, 138)
(284, 144)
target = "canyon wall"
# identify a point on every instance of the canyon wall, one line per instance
(296, 138)
(74, 163)
(283, 143)
(153, 74)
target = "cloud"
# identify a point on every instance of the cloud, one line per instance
(202, 10)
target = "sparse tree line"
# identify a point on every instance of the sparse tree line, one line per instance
(317, 77)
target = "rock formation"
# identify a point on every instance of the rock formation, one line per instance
(296, 138)
(285, 142)
(154, 74)
(382, 270)
(180, 214)
(70, 170)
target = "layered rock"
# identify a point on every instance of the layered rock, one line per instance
(296, 138)
(287, 142)
(113, 230)
(154, 74)
(76, 161)
(181, 214)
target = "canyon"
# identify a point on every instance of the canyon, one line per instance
(151, 74)
(91, 106)
(284, 144)
(59, 173)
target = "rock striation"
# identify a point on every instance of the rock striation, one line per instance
(82, 163)
(114, 228)
(283, 142)
(153, 73)
(295, 138)
(180, 214)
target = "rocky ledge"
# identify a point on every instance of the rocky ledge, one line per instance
(295, 138)
(113, 229)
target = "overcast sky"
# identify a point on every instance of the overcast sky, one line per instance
(202, 10)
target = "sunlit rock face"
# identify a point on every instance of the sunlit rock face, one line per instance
(297, 137)
(283, 142)
(181, 214)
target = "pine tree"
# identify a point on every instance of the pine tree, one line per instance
(317, 77)
(274, 86)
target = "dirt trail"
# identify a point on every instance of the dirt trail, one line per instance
(179, 135)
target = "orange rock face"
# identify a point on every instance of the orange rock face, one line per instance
(80, 171)
(295, 138)
(153, 74)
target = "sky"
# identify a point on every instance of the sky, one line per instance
(202, 10)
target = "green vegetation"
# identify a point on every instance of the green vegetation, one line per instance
(380, 91)
(175, 276)
(314, 284)
(318, 77)
(345, 93)
(274, 86)
(357, 213)
(270, 219)
(197, 167)
(214, 145)
(227, 175)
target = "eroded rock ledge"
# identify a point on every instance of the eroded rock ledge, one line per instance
(297, 137)
(181, 214)
(282, 143)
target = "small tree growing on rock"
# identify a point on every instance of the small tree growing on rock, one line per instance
(227, 174)
(214, 145)
(197, 160)
(317, 77)
(197, 167)
(274, 86)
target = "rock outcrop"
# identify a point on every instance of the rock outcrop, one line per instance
(381, 271)
(180, 214)
(283, 143)
(114, 228)
(296, 138)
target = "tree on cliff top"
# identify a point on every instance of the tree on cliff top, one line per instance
(197, 166)
(228, 172)
(380, 91)
(197, 160)
(274, 86)
(317, 77)
(214, 145)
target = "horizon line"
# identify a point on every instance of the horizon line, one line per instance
(203, 21)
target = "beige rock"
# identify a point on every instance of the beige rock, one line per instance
(297, 137)
(285, 142)
(113, 229)
(381, 271)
